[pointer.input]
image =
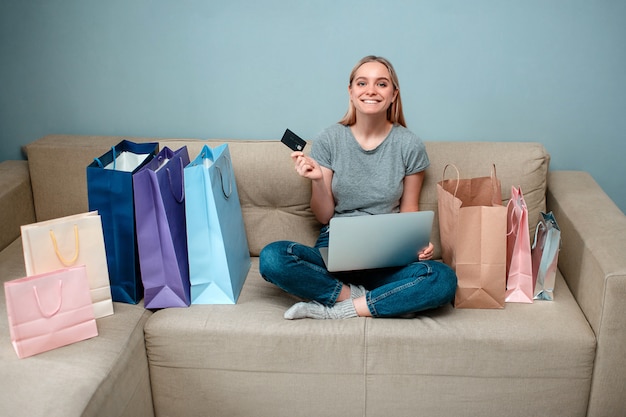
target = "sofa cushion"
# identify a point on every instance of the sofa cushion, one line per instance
(300, 364)
(275, 200)
(519, 164)
(103, 376)
(58, 170)
(471, 359)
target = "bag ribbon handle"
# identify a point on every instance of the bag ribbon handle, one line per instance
(56, 248)
(57, 309)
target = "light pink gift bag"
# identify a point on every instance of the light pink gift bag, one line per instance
(50, 310)
(519, 283)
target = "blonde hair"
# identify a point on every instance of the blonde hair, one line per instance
(394, 112)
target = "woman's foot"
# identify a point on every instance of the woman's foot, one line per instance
(314, 310)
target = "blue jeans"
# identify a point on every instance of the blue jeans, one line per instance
(300, 270)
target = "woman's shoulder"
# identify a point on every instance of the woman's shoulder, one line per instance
(404, 132)
(334, 130)
(406, 136)
(332, 136)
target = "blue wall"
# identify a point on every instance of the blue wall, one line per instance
(552, 71)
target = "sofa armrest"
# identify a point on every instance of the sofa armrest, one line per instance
(16, 200)
(593, 262)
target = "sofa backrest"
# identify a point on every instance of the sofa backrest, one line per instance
(58, 171)
(274, 199)
(16, 200)
(519, 164)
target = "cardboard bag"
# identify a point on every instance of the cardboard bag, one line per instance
(472, 227)
(519, 268)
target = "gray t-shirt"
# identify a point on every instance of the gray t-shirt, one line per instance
(369, 182)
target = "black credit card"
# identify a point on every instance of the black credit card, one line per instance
(293, 141)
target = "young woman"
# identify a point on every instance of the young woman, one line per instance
(369, 163)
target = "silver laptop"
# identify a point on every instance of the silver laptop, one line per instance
(376, 241)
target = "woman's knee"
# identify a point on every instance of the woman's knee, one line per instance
(274, 259)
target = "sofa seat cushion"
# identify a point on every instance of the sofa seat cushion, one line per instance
(490, 359)
(103, 376)
(245, 357)
(234, 360)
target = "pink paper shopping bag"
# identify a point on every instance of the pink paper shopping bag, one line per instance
(50, 310)
(519, 284)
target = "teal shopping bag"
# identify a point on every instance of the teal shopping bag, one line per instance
(219, 257)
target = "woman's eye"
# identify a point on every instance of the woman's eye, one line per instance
(382, 84)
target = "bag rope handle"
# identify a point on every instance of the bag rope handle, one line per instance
(57, 309)
(114, 158)
(182, 188)
(99, 162)
(540, 225)
(519, 204)
(458, 177)
(230, 183)
(494, 178)
(514, 224)
(58, 252)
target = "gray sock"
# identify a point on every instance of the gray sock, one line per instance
(314, 310)
(357, 291)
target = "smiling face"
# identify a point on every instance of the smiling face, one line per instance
(372, 90)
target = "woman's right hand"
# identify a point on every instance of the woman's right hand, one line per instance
(322, 201)
(306, 166)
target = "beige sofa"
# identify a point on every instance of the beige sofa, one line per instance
(559, 358)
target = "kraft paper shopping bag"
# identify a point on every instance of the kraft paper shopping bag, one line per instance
(110, 192)
(67, 241)
(472, 227)
(49, 310)
(219, 257)
(519, 282)
(161, 229)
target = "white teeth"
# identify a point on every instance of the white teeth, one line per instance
(370, 101)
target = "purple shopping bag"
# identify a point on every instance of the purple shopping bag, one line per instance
(161, 229)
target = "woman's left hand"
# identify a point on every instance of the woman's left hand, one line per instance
(426, 253)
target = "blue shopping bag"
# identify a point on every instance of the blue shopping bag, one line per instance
(161, 230)
(110, 192)
(219, 257)
(545, 256)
